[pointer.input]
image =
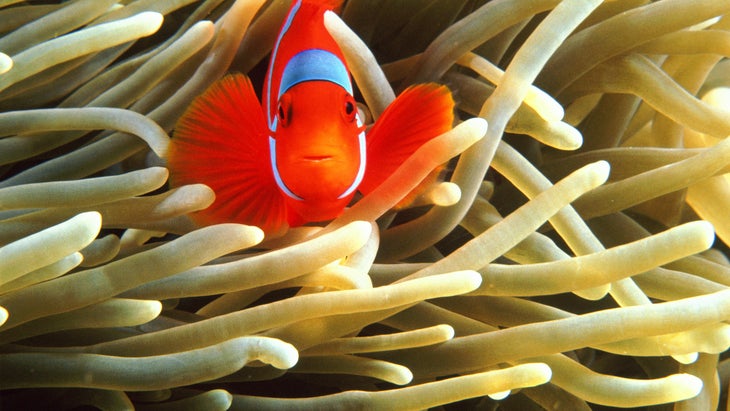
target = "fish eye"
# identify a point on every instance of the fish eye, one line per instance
(284, 110)
(349, 109)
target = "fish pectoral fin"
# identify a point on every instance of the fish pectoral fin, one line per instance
(420, 113)
(222, 141)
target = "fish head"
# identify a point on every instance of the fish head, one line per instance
(319, 142)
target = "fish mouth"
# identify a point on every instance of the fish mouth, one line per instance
(317, 158)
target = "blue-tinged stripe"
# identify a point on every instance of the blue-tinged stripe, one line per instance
(275, 168)
(361, 170)
(312, 65)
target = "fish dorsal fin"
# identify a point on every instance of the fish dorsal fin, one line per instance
(417, 115)
(222, 141)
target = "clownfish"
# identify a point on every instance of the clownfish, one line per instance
(302, 154)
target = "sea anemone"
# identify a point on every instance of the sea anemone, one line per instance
(566, 258)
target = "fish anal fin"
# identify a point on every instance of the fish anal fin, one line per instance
(222, 141)
(420, 113)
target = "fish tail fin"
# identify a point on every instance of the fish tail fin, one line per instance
(417, 115)
(222, 141)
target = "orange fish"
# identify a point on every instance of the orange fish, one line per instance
(300, 156)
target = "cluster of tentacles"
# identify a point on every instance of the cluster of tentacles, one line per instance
(571, 256)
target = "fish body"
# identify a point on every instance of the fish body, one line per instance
(317, 140)
(304, 152)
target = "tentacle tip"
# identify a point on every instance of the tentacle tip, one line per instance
(471, 279)
(6, 63)
(571, 138)
(403, 377)
(498, 396)
(160, 172)
(287, 357)
(600, 170)
(3, 315)
(446, 194)
(686, 359)
(154, 309)
(536, 373)
(90, 218)
(707, 232)
(330, 17)
(255, 234)
(544, 372)
(477, 125)
(594, 293)
(448, 331)
(686, 385)
(152, 19)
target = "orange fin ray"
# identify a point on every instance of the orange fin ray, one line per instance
(222, 141)
(420, 113)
